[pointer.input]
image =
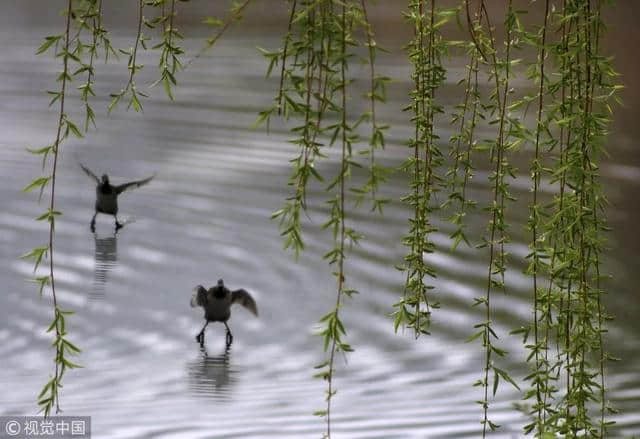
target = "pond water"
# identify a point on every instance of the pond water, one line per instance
(205, 216)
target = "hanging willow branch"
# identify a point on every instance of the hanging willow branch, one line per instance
(313, 93)
(335, 329)
(540, 375)
(235, 15)
(376, 93)
(425, 54)
(500, 71)
(308, 44)
(570, 309)
(133, 67)
(463, 141)
(602, 75)
(169, 62)
(93, 13)
(49, 397)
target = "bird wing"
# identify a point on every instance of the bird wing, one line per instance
(89, 173)
(199, 298)
(133, 184)
(244, 298)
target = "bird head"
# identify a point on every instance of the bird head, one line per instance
(105, 179)
(219, 291)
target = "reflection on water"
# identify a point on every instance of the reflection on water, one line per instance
(106, 258)
(211, 375)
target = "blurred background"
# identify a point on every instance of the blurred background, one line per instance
(206, 216)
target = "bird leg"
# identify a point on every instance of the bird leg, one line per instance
(229, 335)
(93, 222)
(200, 336)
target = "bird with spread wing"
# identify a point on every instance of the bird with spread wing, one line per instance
(217, 302)
(107, 195)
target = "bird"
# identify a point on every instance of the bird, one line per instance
(217, 303)
(107, 195)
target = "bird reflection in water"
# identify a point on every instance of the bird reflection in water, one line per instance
(211, 375)
(106, 258)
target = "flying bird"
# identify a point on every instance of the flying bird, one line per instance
(107, 195)
(217, 303)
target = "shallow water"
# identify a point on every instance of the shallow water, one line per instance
(206, 216)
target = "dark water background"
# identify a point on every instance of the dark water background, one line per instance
(206, 216)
